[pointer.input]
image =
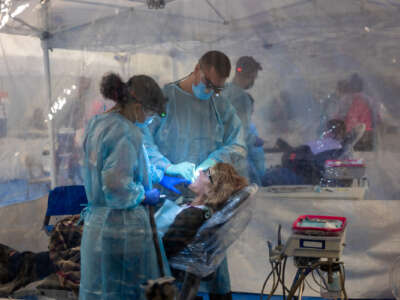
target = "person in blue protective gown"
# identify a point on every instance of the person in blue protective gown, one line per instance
(200, 129)
(117, 251)
(246, 72)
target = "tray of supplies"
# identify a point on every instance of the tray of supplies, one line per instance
(344, 169)
(319, 225)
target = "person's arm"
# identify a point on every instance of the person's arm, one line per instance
(159, 161)
(250, 138)
(183, 230)
(234, 139)
(120, 158)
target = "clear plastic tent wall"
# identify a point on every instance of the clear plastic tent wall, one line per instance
(53, 54)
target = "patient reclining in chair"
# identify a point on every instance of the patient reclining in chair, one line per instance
(197, 234)
(212, 188)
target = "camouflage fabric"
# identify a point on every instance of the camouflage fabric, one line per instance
(64, 247)
(18, 269)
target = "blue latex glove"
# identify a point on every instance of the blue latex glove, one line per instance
(208, 163)
(152, 197)
(184, 169)
(169, 183)
(258, 142)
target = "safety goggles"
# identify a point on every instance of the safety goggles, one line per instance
(208, 173)
(150, 110)
(211, 86)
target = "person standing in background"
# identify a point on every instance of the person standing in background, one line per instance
(246, 72)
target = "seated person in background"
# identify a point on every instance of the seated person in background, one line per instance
(17, 269)
(212, 188)
(357, 110)
(304, 164)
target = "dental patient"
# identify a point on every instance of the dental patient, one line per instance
(212, 189)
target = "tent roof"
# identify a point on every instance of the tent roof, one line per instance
(125, 25)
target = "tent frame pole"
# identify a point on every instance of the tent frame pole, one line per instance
(46, 62)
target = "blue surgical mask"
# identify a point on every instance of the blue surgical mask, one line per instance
(146, 122)
(200, 91)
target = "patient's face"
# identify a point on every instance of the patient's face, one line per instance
(201, 186)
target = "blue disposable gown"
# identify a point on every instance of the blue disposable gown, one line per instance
(117, 252)
(256, 159)
(193, 131)
(242, 102)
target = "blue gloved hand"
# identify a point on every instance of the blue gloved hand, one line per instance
(184, 169)
(152, 197)
(169, 183)
(208, 163)
(258, 142)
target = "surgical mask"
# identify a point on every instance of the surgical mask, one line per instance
(146, 122)
(200, 91)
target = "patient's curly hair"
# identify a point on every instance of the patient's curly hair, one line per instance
(226, 181)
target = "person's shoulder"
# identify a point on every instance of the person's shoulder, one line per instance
(231, 90)
(113, 120)
(198, 212)
(191, 212)
(170, 87)
(170, 91)
(222, 97)
(116, 126)
(247, 99)
(223, 103)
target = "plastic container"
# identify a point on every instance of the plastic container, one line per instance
(319, 225)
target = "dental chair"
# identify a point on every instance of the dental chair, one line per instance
(204, 254)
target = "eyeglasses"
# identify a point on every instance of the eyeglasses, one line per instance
(208, 172)
(211, 86)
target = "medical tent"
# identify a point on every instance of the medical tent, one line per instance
(54, 53)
